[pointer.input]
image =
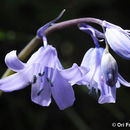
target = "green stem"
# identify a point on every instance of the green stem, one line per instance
(24, 53)
(73, 22)
(58, 26)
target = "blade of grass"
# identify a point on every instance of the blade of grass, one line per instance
(76, 119)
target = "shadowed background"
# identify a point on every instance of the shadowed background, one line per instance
(19, 21)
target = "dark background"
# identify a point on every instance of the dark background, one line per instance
(19, 21)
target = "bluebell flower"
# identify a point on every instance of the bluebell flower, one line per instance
(96, 79)
(44, 72)
(118, 39)
(103, 74)
(46, 75)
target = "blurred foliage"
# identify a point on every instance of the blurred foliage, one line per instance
(19, 21)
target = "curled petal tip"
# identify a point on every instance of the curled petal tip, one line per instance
(12, 61)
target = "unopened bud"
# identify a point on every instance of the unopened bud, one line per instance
(109, 68)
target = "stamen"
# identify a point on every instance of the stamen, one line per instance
(38, 94)
(41, 74)
(51, 84)
(93, 91)
(34, 79)
(49, 81)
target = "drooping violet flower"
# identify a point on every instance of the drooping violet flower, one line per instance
(44, 71)
(103, 74)
(111, 78)
(118, 39)
(46, 75)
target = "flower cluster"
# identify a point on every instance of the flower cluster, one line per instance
(103, 74)
(47, 77)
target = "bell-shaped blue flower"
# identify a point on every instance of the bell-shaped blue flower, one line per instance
(103, 74)
(46, 75)
(96, 79)
(118, 39)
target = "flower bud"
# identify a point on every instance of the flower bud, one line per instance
(109, 68)
(118, 39)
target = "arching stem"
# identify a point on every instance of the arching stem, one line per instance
(58, 26)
